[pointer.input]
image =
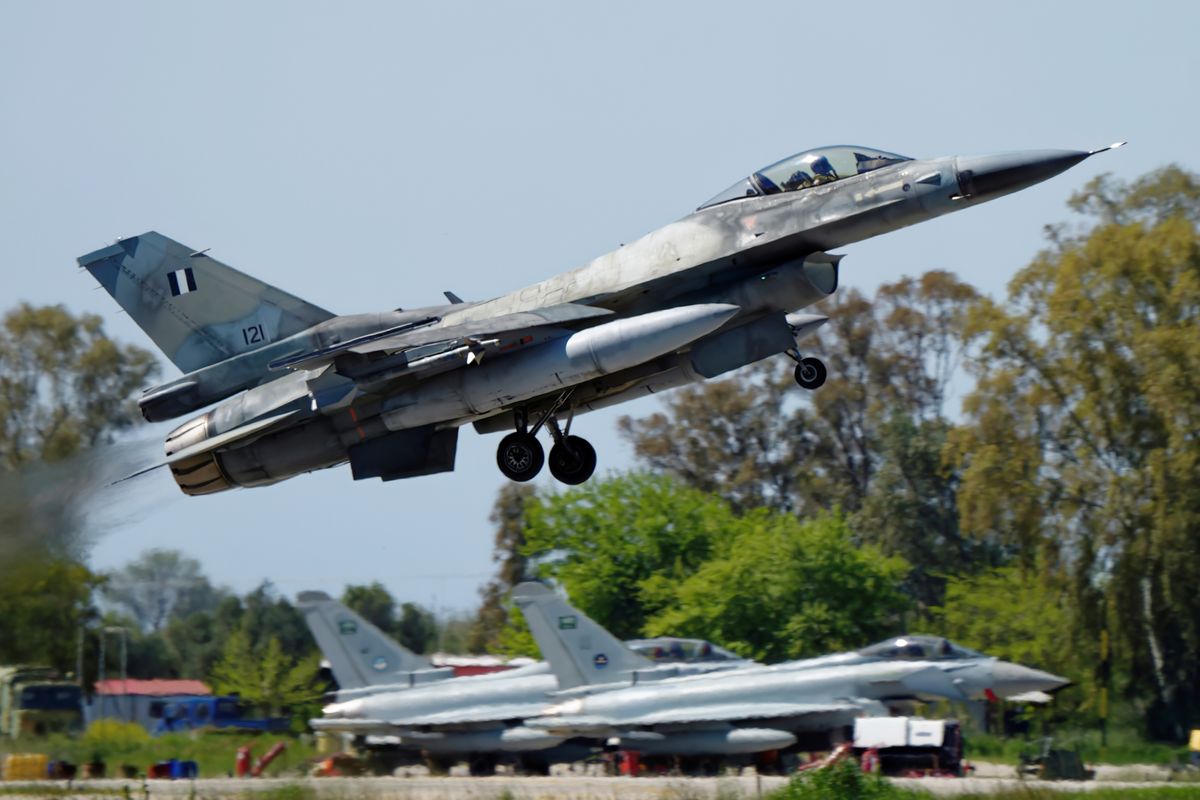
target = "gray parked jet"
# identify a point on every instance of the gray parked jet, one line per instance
(723, 287)
(388, 691)
(747, 710)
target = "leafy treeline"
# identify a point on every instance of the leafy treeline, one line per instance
(1062, 500)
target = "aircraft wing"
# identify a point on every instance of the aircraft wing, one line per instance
(737, 711)
(433, 340)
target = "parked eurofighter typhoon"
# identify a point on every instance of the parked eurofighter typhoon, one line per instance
(304, 389)
(388, 691)
(745, 710)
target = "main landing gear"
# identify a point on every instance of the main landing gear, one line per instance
(810, 372)
(520, 455)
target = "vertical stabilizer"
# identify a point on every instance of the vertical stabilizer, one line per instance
(579, 651)
(359, 654)
(196, 309)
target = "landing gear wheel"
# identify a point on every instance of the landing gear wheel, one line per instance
(520, 456)
(481, 765)
(810, 373)
(573, 460)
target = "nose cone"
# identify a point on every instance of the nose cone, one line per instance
(983, 178)
(1013, 679)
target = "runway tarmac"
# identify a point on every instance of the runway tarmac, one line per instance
(521, 788)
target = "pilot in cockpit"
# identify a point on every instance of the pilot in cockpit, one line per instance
(823, 171)
(799, 180)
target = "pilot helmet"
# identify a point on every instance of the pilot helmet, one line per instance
(822, 166)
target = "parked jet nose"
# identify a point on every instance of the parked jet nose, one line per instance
(350, 709)
(983, 178)
(1012, 679)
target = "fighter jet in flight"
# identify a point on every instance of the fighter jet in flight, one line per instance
(301, 389)
(746, 710)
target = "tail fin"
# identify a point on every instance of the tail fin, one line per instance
(359, 654)
(579, 651)
(197, 310)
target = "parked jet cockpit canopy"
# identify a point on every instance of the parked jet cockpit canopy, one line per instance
(807, 169)
(668, 649)
(919, 648)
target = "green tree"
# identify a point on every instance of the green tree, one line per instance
(413, 626)
(158, 585)
(620, 546)
(739, 438)
(374, 603)
(64, 385)
(780, 589)
(416, 628)
(266, 615)
(1080, 453)
(1017, 615)
(495, 614)
(265, 676)
(42, 607)
(868, 443)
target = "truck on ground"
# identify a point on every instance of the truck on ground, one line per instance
(909, 745)
(35, 701)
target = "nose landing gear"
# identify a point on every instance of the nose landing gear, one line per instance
(520, 455)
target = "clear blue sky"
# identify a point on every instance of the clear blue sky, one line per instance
(370, 155)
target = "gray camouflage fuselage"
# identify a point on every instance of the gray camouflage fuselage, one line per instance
(388, 392)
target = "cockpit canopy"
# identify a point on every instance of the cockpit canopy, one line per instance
(807, 169)
(668, 649)
(919, 648)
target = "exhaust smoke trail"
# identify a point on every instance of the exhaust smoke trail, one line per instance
(54, 511)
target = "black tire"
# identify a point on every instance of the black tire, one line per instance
(810, 373)
(520, 457)
(573, 461)
(482, 765)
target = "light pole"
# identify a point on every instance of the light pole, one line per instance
(124, 634)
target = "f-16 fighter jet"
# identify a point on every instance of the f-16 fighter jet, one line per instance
(301, 389)
(745, 710)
